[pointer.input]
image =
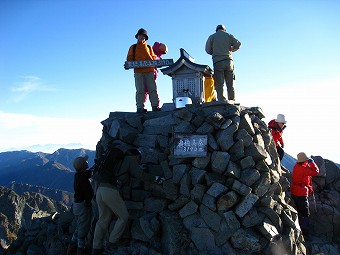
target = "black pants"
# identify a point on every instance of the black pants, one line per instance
(280, 151)
(302, 207)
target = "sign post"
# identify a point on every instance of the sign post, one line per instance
(189, 145)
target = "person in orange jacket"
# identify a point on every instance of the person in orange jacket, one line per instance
(142, 51)
(301, 188)
(277, 126)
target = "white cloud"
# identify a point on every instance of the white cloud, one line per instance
(29, 85)
(20, 130)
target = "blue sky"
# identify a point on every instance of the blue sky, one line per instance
(61, 64)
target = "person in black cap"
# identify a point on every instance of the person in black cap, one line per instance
(145, 75)
(82, 207)
(220, 45)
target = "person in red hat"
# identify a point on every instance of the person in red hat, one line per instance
(82, 207)
(301, 188)
(145, 75)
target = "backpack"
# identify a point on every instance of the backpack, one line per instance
(107, 166)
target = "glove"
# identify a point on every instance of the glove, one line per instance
(126, 67)
(159, 180)
(310, 160)
(282, 145)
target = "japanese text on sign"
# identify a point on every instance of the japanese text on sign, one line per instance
(187, 145)
(148, 63)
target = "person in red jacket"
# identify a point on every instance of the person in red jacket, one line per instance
(159, 49)
(277, 126)
(302, 187)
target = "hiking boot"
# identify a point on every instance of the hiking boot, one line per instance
(71, 249)
(155, 109)
(141, 110)
(97, 251)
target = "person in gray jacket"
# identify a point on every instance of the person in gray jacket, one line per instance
(220, 45)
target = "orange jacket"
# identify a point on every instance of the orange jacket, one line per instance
(302, 180)
(141, 52)
(276, 132)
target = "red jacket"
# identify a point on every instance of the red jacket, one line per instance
(302, 180)
(276, 132)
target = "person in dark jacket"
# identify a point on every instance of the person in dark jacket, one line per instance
(82, 208)
(109, 199)
(277, 126)
(302, 187)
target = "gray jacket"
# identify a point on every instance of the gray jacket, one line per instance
(220, 45)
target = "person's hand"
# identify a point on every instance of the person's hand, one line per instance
(310, 160)
(126, 66)
(159, 180)
(282, 145)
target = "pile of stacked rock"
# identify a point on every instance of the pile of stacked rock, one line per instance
(229, 201)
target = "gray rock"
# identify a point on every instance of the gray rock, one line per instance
(225, 137)
(246, 124)
(241, 188)
(212, 219)
(246, 241)
(246, 204)
(247, 162)
(219, 161)
(197, 193)
(178, 172)
(252, 218)
(197, 175)
(178, 203)
(249, 176)
(203, 239)
(227, 201)
(209, 201)
(189, 209)
(202, 162)
(216, 190)
(205, 128)
(233, 170)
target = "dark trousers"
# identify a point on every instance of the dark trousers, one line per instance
(302, 207)
(280, 151)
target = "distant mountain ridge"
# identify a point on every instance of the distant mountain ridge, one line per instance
(42, 169)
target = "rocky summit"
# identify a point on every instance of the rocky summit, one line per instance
(225, 190)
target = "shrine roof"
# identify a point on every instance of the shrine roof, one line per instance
(186, 60)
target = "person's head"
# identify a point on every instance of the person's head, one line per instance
(302, 157)
(280, 120)
(80, 163)
(221, 27)
(142, 35)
